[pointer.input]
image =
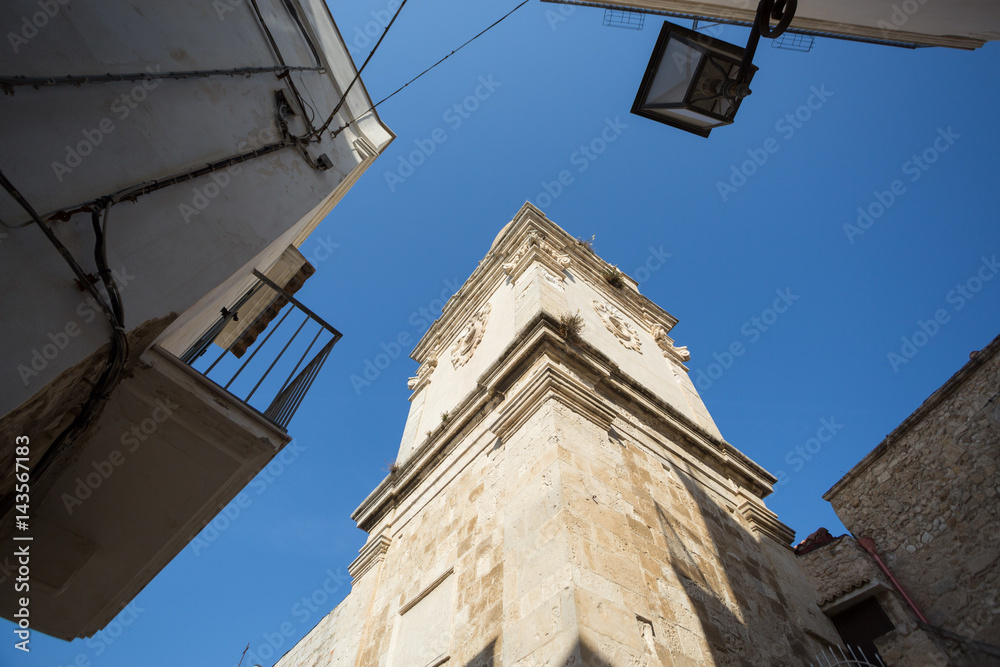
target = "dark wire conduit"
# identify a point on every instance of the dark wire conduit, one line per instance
(357, 76)
(281, 60)
(290, 8)
(132, 192)
(79, 80)
(118, 356)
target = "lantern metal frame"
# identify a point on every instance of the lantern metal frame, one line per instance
(733, 88)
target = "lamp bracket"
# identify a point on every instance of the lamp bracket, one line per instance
(781, 11)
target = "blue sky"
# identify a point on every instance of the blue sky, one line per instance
(551, 79)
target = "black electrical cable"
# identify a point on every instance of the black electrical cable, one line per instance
(20, 226)
(118, 355)
(372, 107)
(111, 374)
(358, 75)
(290, 8)
(281, 60)
(132, 192)
(77, 269)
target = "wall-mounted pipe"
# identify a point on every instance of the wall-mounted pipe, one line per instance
(868, 544)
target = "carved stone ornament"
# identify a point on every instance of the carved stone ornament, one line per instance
(535, 247)
(470, 337)
(617, 323)
(666, 344)
(423, 374)
(550, 278)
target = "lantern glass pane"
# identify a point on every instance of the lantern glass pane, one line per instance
(692, 117)
(673, 77)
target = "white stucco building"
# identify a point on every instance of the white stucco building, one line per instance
(180, 147)
(961, 24)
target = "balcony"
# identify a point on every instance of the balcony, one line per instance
(260, 305)
(178, 439)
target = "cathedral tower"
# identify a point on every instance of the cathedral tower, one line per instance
(562, 496)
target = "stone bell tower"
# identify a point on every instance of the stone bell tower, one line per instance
(561, 494)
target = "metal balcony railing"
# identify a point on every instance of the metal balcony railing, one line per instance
(854, 656)
(285, 383)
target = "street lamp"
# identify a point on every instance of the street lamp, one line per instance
(696, 83)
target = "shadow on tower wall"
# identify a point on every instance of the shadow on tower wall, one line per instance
(729, 583)
(485, 658)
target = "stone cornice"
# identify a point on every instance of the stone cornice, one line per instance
(716, 11)
(372, 553)
(425, 459)
(539, 339)
(535, 247)
(528, 238)
(762, 520)
(551, 382)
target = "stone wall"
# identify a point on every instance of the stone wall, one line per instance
(576, 542)
(922, 645)
(929, 496)
(573, 504)
(658, 537)
(840, 568)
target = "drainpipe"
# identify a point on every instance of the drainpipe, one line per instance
(868, 544)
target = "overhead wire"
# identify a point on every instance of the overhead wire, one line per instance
(372, 107)
(357, 75)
